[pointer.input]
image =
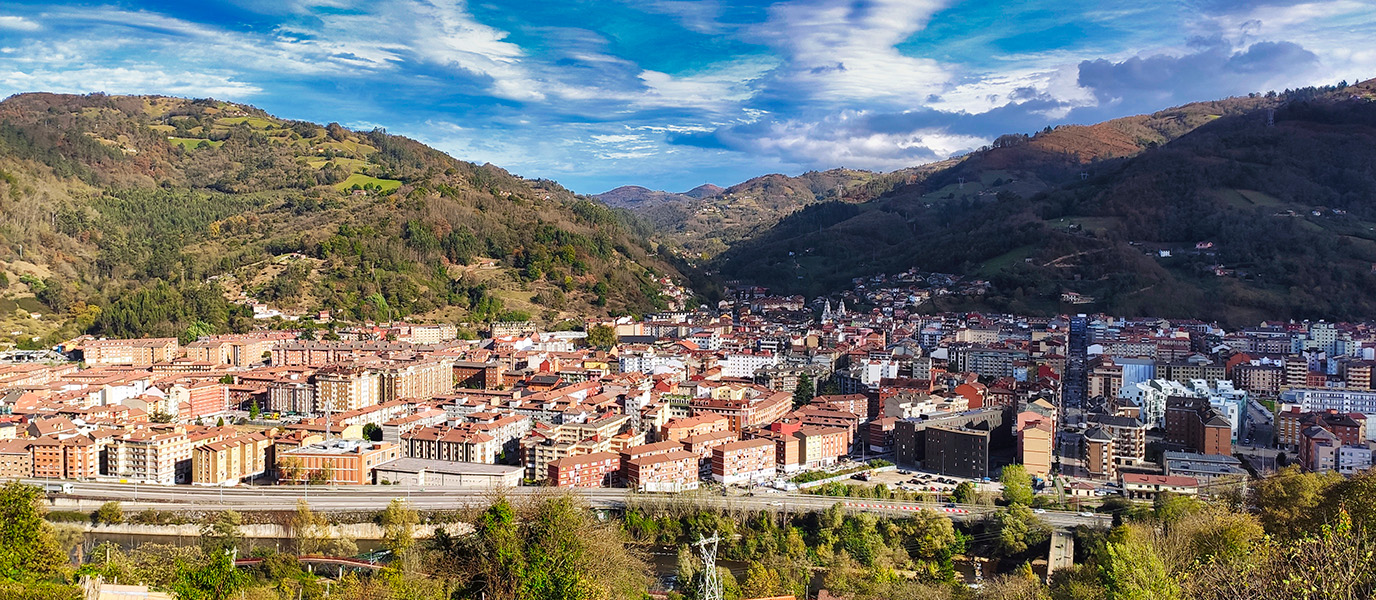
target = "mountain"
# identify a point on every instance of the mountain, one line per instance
(634, 197)
(145, 215)
(705, 190)
(706, 220)
(1241, 210)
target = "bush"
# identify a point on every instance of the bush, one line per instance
(67, 516)
(109, 513)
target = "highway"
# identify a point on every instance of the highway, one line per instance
(136, 497)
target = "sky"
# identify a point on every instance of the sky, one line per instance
(670, 94)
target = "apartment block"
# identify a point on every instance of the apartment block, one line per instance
(226, 462)
(743, 462)
(597, 469)
(136, 352)
(340, 388)
(673, 471)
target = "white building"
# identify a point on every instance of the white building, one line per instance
(743, 364)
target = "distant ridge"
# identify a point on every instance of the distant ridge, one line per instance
(705, 190)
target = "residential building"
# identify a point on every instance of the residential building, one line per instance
(1197, 425)
(141, 352)
(672, 471)
(744, 462)
(596, 469)
(957, 451)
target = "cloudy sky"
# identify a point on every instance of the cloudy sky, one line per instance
(674, 93)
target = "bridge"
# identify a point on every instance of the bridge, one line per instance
(134, 497)
(341, 563)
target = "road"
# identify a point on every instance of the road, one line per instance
(89, 495)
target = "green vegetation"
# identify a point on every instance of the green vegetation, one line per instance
(811, 476)
(189, 144)
(359, 181)
(138, 243)
(1026, 220)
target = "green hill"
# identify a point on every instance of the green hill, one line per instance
(1286, 209)
(137, 215)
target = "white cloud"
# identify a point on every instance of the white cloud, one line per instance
(146, 79)
(844, 51)
(18, 23)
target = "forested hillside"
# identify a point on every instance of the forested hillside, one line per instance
(1243, 209)
(705, 221)
(130, 216)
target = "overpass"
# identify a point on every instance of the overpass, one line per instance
(134, 497)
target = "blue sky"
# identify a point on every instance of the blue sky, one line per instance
(674, 93)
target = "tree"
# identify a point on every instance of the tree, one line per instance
(27, 546)
(1018, 529)
(398, 522)
(964, 493)
(289, 468)
(322, 476)
(220, 532)
(1291, 502)
(109, 513)
(761, 582)
(217, 579)
(372, 432)
(253, 412)
(1017, 485)
(932, 534)
(804, 392)
(602, 337)
(311, 535)
(1133, 570)
(220, 422)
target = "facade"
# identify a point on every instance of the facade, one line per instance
(1323, 399)
(340, 388)
(1145, 487)
(229, 461)
(957, 451)
(136, 353)
(1098, 452)
(672, 471)
(822, 446)
(1034, 448)
(343, 462)
(418, 379)
(447, 475)
(151, 456)
(1197, 425)
(597, 469)
(744, 462)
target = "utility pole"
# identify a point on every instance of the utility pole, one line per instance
(711, 581)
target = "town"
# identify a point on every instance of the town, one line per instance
(760, 393)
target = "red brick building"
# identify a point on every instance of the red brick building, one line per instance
(598, 469)
(672, 471)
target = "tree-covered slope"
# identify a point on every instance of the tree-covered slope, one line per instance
(1277, 192)
(146, 215)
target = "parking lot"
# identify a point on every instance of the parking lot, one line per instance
(925, 482)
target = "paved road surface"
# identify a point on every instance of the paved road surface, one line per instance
(349, 498)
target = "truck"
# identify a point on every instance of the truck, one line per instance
(58, 488)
